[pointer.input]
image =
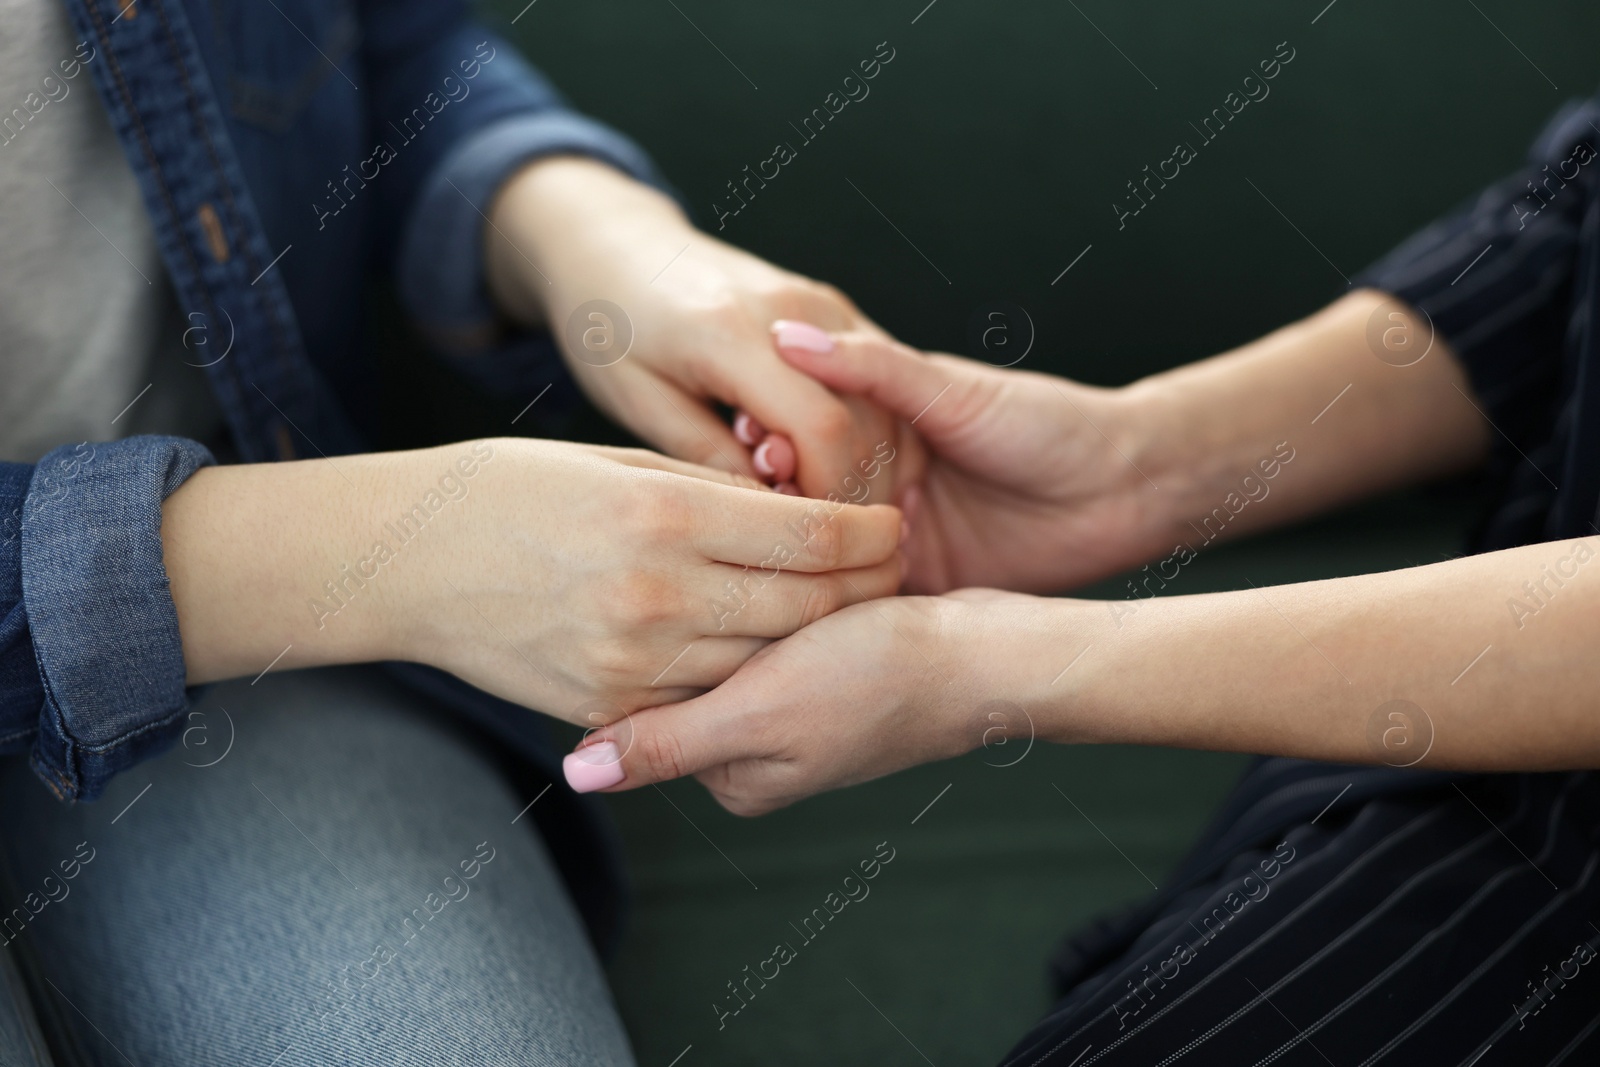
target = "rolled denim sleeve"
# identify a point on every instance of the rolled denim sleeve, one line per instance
(483, 112)
(441, 260)
(92, 678)
(1499, 279)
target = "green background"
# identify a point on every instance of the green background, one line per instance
(996, 142)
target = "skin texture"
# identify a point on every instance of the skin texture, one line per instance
(1492, 653)
(566, 231)
(581, 581)
(584, 582)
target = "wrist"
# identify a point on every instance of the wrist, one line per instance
(1005, 660)
(420, 551)
(559, 217)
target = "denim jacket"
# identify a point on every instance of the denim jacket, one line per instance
(284, 150)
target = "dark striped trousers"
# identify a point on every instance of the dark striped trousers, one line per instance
(1424, 920)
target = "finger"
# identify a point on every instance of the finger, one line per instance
(648, 460)
(747, 430)
(770, 530)
(816, 422)
(774, 458)
(662, 743)
(708, 662)
(897, 377)
(980, 595)
(751, 604)
(685, 427)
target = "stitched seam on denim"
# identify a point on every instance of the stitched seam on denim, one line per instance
(166, 720)
(149, 150)
(222, 181)
(20, 735)
(68, 777)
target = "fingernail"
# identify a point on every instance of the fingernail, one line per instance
(747, 431)
(910, 504)
(787, 488)
(801, 335)
(595, 767)
(762, 459)
(905, 532)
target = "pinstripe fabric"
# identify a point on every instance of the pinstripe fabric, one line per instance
(1521, 318)
(1424, 928)
(1422, 919)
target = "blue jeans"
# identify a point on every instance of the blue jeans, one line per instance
(349, 883)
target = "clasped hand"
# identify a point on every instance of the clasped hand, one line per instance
(1027, 484)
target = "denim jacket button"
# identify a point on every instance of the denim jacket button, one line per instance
(212, 225)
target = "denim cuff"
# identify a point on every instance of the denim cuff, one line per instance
(441, 265)
(104, 628)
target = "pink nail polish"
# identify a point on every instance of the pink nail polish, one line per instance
(747, 431)
(595, 767)
(762, 459)
(905, 532)
(802, 336)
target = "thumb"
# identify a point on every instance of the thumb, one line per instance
(659, 744)
(933, 391)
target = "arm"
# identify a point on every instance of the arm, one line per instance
(1494, 675)
(581, 581)
(1308, 669)
(1039, 483)
(1356, 424)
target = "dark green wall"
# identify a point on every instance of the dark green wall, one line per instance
(999, 137)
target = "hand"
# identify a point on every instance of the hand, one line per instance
(589, 582)
(700, 311)
(848, 699)
(585, 582)
(1030, 481)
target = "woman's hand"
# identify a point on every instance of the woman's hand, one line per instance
(1032, 482)
(1432, 667)
(868, 691)
(585, 582)
(571, 232)
(1040, 483)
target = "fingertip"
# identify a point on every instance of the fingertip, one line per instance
(594, 767)
(780, 457)
(801, 338)
(747, 430)
(910, 504)
(761, 459)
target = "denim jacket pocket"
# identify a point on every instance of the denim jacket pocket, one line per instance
(275, 70)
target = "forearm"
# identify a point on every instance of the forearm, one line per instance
(1356, 425)
(251, 551)
(1494, 655)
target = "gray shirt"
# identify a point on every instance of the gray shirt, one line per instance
(87, 318)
